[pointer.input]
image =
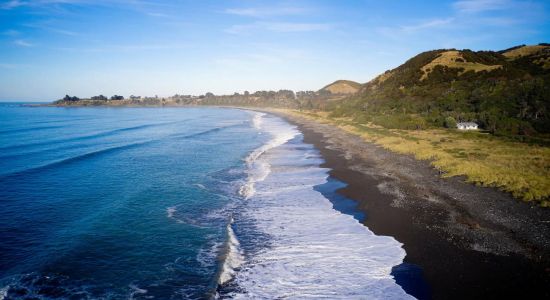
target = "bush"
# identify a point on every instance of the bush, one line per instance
(450, 122)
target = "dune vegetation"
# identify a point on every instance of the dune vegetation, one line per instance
(518, 168)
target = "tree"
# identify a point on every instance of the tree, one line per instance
(69, 98)
(450, 122)
(100, 97)
(117, 97)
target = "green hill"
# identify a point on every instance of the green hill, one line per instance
(506, 92)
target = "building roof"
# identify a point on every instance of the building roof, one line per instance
(466, 124)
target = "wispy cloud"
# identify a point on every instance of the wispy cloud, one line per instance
(264, 55)
(157, 14)
(125, 48)
(430, 24)
(44, 26)
(11, 32)
(12, 4)
(142, 6)
(261, 12)
(34, 3)
(23, 43)
(477, 6)
(420, 27)
(62, 31)
(280, 27)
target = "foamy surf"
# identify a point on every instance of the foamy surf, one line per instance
(233, 256)
(314, 251)
(170, 212)
(135, 291)
(258, 170)
(257, 120)
(4, 292)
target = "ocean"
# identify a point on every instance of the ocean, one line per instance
(177, 203)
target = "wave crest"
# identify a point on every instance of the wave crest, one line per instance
(258, 170)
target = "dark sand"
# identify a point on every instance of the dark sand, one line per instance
(471, 242)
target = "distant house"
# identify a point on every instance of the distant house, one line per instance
(466, 126)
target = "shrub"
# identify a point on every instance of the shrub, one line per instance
(450, 122)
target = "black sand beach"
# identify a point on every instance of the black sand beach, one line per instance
(470, 242)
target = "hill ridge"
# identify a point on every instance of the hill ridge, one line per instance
(506, 92)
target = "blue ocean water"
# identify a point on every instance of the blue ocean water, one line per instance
(175, 203)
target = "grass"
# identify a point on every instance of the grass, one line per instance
(343, 87)
(453, 59)
(545, 62)
(518, 168)
(523, 51)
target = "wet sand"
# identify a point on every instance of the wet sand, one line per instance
(470, 242)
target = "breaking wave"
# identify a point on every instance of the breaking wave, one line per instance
(258, 170)
(314, 251)
(233, 255)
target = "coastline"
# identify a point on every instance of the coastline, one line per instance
(285, 210)
(469, 241)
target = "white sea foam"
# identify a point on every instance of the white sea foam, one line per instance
(135, 290)
(170, 211)
(233, 256)
(4, 292)
(258, 170)
(208, 254)
(315, 251)
(201, 186)
(257, 120)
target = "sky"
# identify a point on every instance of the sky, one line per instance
(49, 48)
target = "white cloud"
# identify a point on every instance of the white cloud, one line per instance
(23, 43)
(11, 32)
(12, 4)
(477, 6)
(261, 12)
(428, 24)
(280, 27)
(157, 15)
(125, 48)
(62, 31)
(45, 25)
(18, 3)
(266, 55)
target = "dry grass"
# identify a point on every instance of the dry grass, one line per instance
(523, 51)
(453, 59)
(544, 61)
(343, 87)
(518, 168)
(383, 77)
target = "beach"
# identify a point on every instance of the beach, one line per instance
(469, 241)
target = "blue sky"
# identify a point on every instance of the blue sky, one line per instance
(50, 48)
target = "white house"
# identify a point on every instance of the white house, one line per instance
(466, 126)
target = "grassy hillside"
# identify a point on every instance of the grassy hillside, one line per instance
(342, 87)
(506, 92)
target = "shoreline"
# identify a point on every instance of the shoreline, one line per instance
(469, 241)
